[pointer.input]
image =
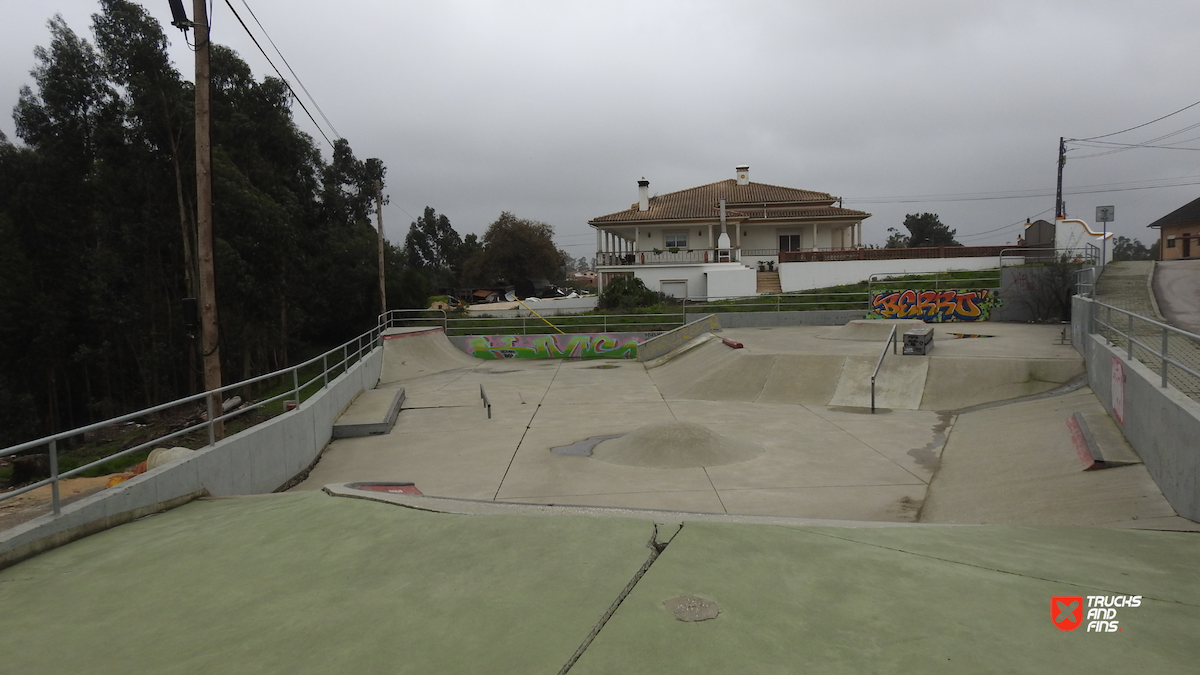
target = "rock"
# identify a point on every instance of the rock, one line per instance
(160, 456)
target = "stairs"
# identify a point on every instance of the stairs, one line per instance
(768, 282)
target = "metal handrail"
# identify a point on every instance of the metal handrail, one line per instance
(878, 364)
(1165, 361)
(350, 352)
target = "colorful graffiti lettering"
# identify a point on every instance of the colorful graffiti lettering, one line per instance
(573, 346)
(934, 306)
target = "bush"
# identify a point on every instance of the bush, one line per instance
(627, 293)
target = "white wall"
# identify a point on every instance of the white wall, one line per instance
(738, 282)
(803, 276)
(728, 275)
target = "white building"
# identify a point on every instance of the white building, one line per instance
(709, 241)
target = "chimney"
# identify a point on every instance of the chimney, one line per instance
(743, 174)
(643, 194)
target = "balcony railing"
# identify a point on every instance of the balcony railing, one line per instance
(893, 253)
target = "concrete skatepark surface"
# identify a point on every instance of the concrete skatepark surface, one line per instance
(310, 582)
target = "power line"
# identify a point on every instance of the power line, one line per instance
(1092, 138)
(1027, 194)
(281, 77)
(289, 67)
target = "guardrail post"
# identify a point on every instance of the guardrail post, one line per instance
(345, 357)
(325, 369)
(54, 476)
(212, 434)
(1129, 338)
(296, 385)
(872, 394)
(1165, 363)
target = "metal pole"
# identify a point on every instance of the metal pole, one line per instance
(296, 385)
(325, 369)
(212, 437)
(1165, 364)
(54, 476)
(1129, 338)
(872, 394)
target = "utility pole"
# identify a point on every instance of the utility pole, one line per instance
(379, 221)
(209, 335)
(1060, 210)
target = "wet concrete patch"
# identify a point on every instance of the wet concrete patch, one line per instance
(930, 456)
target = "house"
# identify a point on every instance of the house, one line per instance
(1179, 232)
(708, 241)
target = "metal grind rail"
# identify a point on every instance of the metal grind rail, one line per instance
(332, 363)
(892, 339)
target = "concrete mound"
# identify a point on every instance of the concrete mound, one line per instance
(871, 329)
(675, 445)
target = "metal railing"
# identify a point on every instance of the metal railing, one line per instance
(883, 354)
(1176, 356)
(331, 364)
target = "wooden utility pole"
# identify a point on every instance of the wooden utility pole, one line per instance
(209, 335)
(379, 221)
(1060, 209)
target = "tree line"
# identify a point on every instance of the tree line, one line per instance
(97, 231)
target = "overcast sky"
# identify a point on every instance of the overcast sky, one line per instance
(554, 109)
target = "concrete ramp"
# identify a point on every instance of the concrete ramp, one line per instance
(956, 383)
(417, 352)
(900, 384)
(802, 379)
(682, 373)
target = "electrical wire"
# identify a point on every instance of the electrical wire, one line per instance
(1092, 138)
(281, 77)
(289, 67)
(1028, 194)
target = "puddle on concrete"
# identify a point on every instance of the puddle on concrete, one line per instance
(929, 457)
(606, 366)
(859, 410)
(583, 448)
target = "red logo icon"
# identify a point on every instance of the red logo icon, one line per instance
(1066, 612)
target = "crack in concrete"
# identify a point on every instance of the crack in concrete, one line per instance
(526, 432)
(656, 545)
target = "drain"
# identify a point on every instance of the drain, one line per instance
(583, 448)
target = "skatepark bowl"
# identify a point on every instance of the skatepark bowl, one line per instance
(712, 510)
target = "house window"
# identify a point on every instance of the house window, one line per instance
(1171, 242)
(675, 239)
(789, 242)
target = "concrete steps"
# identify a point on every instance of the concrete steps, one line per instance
(768, 282)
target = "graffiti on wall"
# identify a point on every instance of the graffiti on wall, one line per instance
(571, 346)
(934, 306)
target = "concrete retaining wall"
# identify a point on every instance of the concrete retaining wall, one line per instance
(255, 461)
(1161, 424)
(804, 276)
(836, 317)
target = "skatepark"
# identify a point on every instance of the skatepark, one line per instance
(734, 504)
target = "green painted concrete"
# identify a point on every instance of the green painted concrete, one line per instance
(308, 583)
(912, 600)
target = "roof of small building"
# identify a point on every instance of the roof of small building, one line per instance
(741, 201)
(1184, 215)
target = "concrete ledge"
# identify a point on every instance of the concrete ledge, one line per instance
(674, 339)
(356, 428)
(27, 540)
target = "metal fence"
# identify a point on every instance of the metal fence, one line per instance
(1169, 351)
(197, 412)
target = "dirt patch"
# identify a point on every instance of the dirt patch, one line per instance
(34, 503)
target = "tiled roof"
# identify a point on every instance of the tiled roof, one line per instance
(1185, 215)
(740, 201)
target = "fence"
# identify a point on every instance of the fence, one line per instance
(1173, 354)
(316, 374)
